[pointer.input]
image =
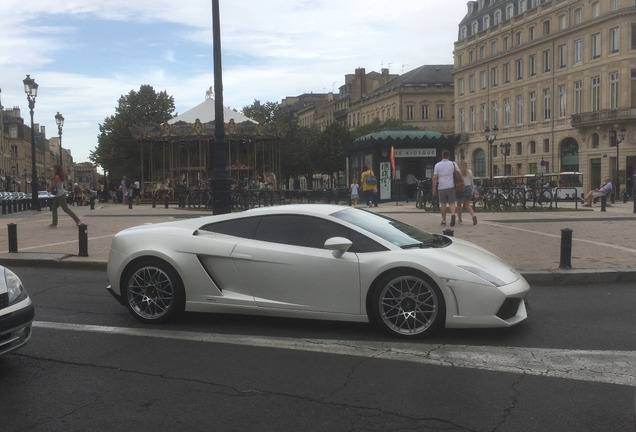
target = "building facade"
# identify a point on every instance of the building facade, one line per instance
(557, 78)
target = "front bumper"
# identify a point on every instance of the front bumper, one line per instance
(15, 326)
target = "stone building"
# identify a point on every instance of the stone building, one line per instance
(557, 78)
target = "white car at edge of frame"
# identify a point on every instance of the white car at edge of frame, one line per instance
(315, 261)
(16, 312)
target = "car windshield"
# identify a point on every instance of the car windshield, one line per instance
(396, 232)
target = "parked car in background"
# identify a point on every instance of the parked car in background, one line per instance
(314, 261)
(16, 312)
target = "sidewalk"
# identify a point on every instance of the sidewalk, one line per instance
(603, 243)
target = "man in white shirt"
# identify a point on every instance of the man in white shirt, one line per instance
(444, 186)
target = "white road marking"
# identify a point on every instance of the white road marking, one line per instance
(612, 367)
(621, 248)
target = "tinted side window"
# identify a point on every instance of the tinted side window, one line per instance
(311, 232)
(245, 227)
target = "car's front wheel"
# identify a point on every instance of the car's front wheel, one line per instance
(407, 304)
(153, 291)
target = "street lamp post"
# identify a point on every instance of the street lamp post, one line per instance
(220, 181)
(490, 138)
(31, 90)
(59, 120)
(505, 149)
(617, 138)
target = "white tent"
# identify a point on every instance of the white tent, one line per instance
(205, 113)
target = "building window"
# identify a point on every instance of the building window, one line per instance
(461, 121)
(547, 60)
(563, 23)
(497, 17)
(460, 86)
(506, 113)
(546, 148)
(518, 38)
(578, 51)
(634, 36)
(483, 83)
(578, 16)
(519, 110)
(596, 45)
(424, 112)
(532, 65)
(613, 5)
(562, 100)
(409, 112)
(596, 142)
(578, 97)
(484, 117)
(506, 43)
(614, 40)
(546, 28)
(495, 113)
(506, 72)
(547, 102)
(493, 48)
(596, 93)
(510, 9)
(532, 147)
(531, 33)
(472, 119)
(486, 22)
(440, 112)
(519, 69)
(471, 83)
(495, 76)
(482, 51)
(563, 56)
(613, 90)
(533, 107)
(522, 6)
(470, 56)
(596, 9)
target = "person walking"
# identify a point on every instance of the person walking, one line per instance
(465, 197)
(124, 190)
(57, 184)
(368, 181)
(444, 186)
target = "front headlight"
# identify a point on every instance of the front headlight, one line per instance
(15, 289)
(484, 275)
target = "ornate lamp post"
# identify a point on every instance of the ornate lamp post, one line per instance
(617, 138)
(220, 181)
(59, 119)
(31, 90)
(490, 138)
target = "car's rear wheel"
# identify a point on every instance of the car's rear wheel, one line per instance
(153, 291)
(407, 304)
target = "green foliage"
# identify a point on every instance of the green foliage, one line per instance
(375, 126)
(117, 151)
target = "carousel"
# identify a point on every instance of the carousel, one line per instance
(179, 153)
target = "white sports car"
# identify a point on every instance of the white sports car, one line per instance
(314, 261)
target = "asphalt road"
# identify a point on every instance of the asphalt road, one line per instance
(90, 366)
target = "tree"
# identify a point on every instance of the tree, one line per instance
(328, 152)
(117, 151)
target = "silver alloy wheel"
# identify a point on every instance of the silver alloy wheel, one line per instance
(150, 293)
(409, 305)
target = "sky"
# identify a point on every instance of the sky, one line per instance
(86, 54)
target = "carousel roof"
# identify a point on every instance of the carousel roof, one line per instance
(205, 113)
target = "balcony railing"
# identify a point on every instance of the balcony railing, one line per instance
(604, 116)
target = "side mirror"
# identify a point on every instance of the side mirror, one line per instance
(338, 245)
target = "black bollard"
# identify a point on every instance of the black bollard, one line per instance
(130, 203)
(603, 203)
(13, 238)
(566, 249)
(449, 232)
(4, 207)
(167, 201)
(92, 203)
(154, 201)
(83, 240)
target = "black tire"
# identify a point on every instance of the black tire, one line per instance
(407, 304)
(153, 291)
